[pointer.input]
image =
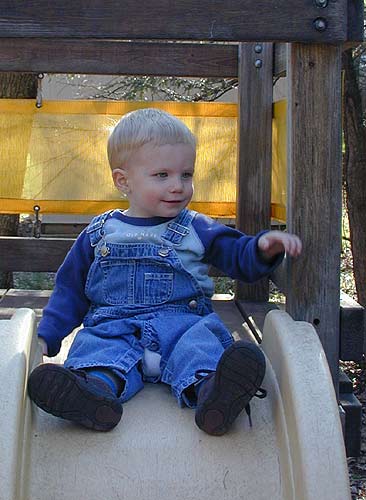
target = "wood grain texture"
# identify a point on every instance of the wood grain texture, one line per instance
(42, 254)
(280, 59)
(314, 190)
(355, 20)
(237, 20)
(32, 254)
(254, 150)
(352, 330)
(118, 57)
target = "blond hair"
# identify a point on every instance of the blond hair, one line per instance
(145, 126)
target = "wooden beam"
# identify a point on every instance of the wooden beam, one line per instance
(255, 150)
(41, 254)
(352, 329)
(15, 298)
(118, 57)
(314, 190)
(62, 229)
(33, 254)
(237, 20)
(355, 20)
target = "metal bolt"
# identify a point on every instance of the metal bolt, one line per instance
(258, 63)
(320, 24)
(258, 49)
(37, 222)
(321, 3)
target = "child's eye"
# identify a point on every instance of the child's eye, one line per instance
(187, 175)
(161, 175)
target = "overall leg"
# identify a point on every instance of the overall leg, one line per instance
(225, 380)
(197, 350)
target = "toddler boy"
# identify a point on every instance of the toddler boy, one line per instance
(137, 280)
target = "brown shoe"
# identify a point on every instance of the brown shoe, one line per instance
(227, 391)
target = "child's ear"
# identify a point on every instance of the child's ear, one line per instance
(120, 180)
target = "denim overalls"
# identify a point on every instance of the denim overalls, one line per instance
(145, 303)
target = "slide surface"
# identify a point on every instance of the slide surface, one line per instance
(294, 451)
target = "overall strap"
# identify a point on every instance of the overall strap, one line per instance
(178, 228)
(95, 228)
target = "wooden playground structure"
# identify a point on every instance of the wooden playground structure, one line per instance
(303, 40)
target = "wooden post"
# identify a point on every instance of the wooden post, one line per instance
(315, 190)
(254, 150)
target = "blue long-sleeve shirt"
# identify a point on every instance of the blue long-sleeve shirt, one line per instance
(231, 251)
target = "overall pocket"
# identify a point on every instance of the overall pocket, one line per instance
(158, 287)
(118, 281)
(142, 282)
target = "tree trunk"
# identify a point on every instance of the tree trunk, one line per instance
(14, 86)
(355, 172)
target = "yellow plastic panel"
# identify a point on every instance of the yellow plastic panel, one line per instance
(279, 156)
(58, 158)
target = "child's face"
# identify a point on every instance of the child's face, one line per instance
(157, 180)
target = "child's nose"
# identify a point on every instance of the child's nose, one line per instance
(177, 185)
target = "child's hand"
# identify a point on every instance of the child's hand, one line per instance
(274, 242)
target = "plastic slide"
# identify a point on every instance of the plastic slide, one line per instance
(293, 451)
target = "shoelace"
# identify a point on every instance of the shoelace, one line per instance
(261, 394)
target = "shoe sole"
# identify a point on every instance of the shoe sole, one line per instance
(239, 375)
(60, 392)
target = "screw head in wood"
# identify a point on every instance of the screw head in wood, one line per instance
(321, 3)
(320, 24)
(258, 63)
